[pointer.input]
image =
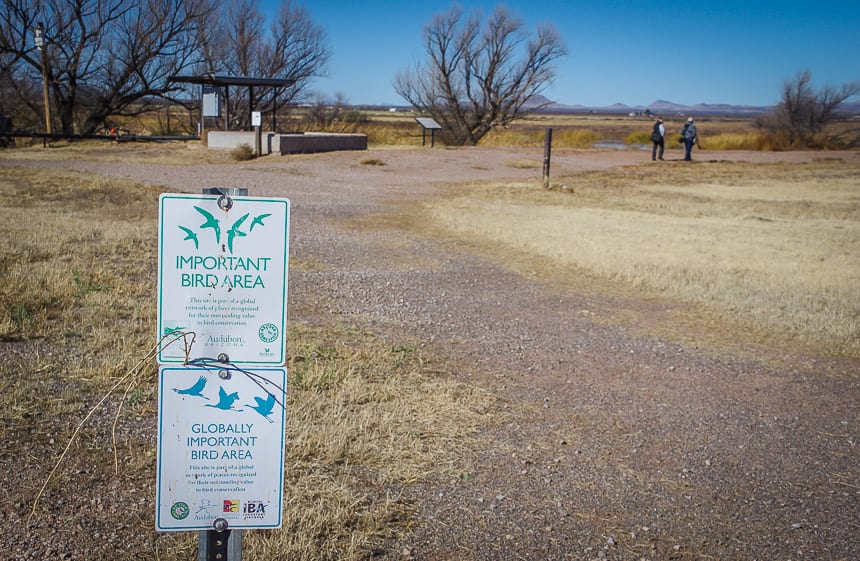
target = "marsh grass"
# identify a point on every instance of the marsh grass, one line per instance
(737, 141)
(771, 247)
(77, 313)
(525, 136)
(397, 133)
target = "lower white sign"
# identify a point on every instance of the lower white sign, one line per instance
(220, 447)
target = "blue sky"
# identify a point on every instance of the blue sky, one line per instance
(634, 52)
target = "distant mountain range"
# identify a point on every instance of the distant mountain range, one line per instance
(663, 107)
(659, 107)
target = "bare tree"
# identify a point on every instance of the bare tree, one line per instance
(478, 77)
(802, 114)
(102, 57)
(292, 47)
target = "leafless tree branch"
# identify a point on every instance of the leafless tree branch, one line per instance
(478, 77)
(802, 113)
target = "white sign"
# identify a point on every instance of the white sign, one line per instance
(256, 118)
(222, 274)
(211, 102)
(220, 448)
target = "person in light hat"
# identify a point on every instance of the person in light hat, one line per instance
(690, 136)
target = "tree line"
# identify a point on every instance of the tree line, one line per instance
(114, 58)
(105, 58)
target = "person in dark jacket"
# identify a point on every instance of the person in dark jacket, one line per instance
(690, 137)
(658, 135)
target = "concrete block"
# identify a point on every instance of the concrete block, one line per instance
(293, 143)
(321, 142)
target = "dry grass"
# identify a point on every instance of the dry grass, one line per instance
(773, 247)
(173, 153)
(77, 312)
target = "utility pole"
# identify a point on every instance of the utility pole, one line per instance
(43, 50)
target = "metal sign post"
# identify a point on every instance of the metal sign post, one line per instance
(39, 40)
(547, 151)
(222, 288)
(257, 123)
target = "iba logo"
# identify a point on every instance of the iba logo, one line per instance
(231, 505)
(254, 510)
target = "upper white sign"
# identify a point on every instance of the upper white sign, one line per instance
(222, 274)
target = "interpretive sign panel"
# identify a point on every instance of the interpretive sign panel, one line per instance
(428, 123)
(220, 448)
(222, 274)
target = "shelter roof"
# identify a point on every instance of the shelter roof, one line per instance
(225, 80)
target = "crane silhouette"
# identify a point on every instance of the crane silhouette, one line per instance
(194, 390)
(225, 400)
(264, 406)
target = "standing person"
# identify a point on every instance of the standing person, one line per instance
(690, 137)
(658, 134)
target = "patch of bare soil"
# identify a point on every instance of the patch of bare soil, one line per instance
(607, 442)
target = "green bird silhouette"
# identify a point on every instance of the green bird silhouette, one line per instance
(211, 222)
(234, 232)
(190, 235)
(258, 220)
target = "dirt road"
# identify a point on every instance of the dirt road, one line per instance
(608, 442)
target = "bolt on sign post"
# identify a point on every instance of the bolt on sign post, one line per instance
(222, 302)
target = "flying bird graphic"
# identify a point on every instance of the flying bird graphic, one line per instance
(234, 232)
(258, 220)
(211, 222)
(194, 390)
(190, 235)
(173, 330)
(225, 400)
(264, 406)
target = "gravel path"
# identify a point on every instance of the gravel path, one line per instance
(609, 443)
